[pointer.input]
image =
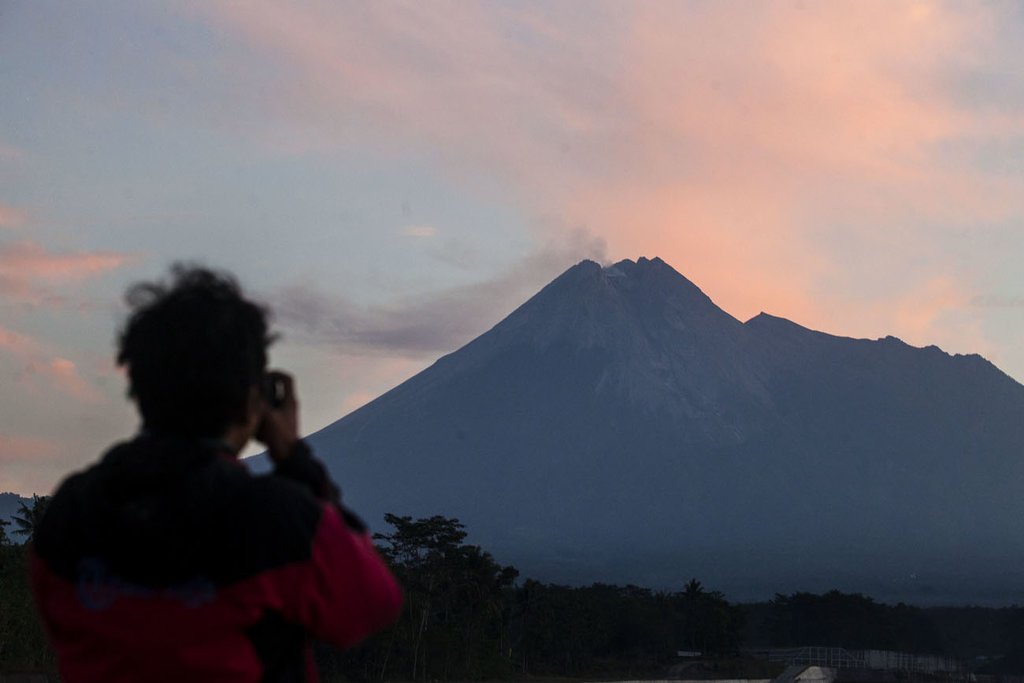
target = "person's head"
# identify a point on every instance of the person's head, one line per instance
(195, 351)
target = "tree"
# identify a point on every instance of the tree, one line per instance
(4, 540)
(849, 620)
(465, 619)
(23, 642)
(28, 517)
(693, 589)
(455, 604)
(710, 623)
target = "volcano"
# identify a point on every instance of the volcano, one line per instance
(621, 427)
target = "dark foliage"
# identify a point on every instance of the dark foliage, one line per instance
(466, 619)
(852, 621)
(23, 644)
(29, 516)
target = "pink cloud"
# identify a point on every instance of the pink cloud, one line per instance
(43, 371)
(29, 271)
(17, 343)
(935, 310)
(354, 400)
(31, 464)
(30, 261)
(12, 216)
(776, 153)
(62, 375)
(66, 376)
(14, 448)
(792, 130)
(361, 380)
(341, 382)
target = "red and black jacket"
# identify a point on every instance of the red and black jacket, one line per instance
(169, 561)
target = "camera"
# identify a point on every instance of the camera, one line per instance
(274, 390)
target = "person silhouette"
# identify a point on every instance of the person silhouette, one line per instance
(167, 560)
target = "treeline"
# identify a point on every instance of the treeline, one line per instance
(853, 621)
(23, 645)
(467, 617)
(988, 640)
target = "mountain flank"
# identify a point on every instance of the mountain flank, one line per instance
(621, 427)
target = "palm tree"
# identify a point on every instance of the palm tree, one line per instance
(28, 518)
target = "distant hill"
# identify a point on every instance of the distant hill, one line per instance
(621, 427)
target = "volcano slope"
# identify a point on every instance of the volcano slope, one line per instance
(621, 427)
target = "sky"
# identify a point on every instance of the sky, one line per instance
(395, 178)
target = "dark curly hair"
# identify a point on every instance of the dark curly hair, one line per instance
(193, 351)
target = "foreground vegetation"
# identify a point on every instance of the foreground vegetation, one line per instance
(467, 617)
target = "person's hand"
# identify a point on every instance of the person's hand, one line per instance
(279, 430)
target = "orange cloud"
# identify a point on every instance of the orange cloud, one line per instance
(919, 315)
(42, 370)
(354, 400)
(62, 374)
(420, 231)
(30, 464)
(26, 448)
(17, 343)
(65, 373)
(779, 154)
(357, 380)
(12, 217)
(30, 261)
(936, 310)
(28, 271)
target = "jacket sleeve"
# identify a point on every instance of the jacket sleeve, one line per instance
(345, 591)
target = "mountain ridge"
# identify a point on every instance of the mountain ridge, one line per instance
(620, 426)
